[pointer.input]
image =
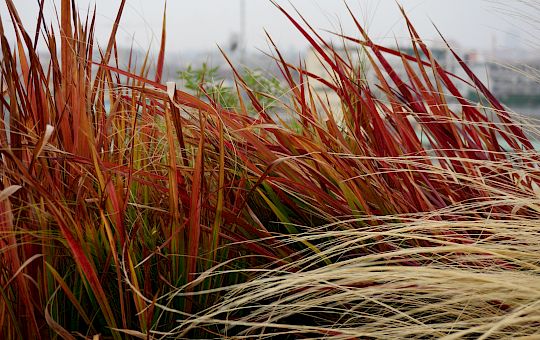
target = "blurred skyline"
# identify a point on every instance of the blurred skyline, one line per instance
(202, 25)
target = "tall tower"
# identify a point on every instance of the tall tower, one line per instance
(243, 33)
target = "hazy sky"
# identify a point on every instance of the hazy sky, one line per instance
(201, 24)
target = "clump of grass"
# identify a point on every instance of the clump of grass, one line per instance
(165, 215)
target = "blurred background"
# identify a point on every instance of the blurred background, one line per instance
(498, 38)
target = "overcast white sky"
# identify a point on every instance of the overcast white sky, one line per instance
(201, 24)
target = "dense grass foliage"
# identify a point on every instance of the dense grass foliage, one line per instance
(131, 209)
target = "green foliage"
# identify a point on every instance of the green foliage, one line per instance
(206, 82)
(267, 88)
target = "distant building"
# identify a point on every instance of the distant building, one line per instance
(514, 78)
(363, 70)
(515, 82)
